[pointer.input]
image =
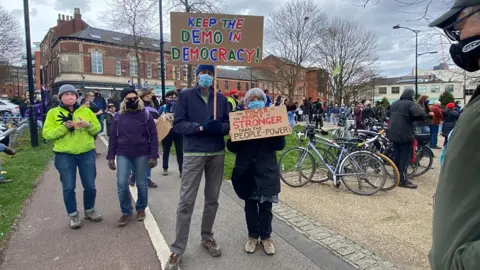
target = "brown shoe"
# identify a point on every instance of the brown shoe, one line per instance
(9, 151)
(212, 247)
(173, 262)
(140, 215)
(123, 220)
(151, 184)
(268, 247)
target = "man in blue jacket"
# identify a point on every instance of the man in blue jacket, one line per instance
(204, 151)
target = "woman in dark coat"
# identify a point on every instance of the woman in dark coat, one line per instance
(450, 117)
(256, 179)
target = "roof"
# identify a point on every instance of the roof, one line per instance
(407, 80)
(102, 35)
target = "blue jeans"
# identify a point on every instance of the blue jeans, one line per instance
(101, 118)
(148, 174)
(67, 164)
(433, 135)
(124, 166)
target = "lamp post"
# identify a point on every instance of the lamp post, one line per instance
(43, 94)
(31, 91)
(162, 59)
(416, 54)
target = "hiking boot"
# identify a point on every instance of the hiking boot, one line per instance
(4, 181)
(408, 184)
(165, 172)
(212, 247)
(251, 245)
(140, 215)
(268, 247)
(93, 215)
(9, 151)
(173, 262)
(151, 184)
(123, 220)
(75, 222)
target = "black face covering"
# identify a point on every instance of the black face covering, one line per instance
(132, 104)
(466, 53)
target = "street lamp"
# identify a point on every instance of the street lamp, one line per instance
(416, 54)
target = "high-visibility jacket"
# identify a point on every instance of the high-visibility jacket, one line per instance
(232, 101)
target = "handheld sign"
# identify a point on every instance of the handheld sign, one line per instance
(259, 123)
(216, 39)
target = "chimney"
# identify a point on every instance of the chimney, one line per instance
(63, 17)
(59, 20)
(77, 20)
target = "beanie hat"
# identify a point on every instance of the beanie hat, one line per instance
(126, 91)
(450, 105)
(67, 88)
(210, 68)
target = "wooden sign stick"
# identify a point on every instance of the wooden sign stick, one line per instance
(215, 93)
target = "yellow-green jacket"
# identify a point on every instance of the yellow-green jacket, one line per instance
(64, 141)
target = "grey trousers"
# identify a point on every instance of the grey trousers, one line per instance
(193, 168)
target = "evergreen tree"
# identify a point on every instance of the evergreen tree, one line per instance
(385, 102)
(446, 98)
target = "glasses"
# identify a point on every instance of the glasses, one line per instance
(454, 29)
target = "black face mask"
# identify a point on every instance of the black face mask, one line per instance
(132, 104)
(466, 53)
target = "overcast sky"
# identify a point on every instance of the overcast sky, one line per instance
(396, 48)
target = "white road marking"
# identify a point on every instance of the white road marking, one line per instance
(158, 241)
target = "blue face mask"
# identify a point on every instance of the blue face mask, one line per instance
(205, 80)
(256, 104)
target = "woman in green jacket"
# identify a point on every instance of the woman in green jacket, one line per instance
(71, 128)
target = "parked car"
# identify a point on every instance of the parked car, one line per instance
(6, 105)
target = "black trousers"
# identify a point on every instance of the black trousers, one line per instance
(259, 219)
(318, 121)
(177, 139)
(401, 156)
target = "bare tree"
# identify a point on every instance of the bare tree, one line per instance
(291, 34)
(11, 41)
(347, 52)
(195, 6)
(136, 18)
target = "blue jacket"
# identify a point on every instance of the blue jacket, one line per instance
(191, 112)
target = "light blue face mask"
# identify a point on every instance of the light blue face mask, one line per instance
(205, 80)
(256, 104)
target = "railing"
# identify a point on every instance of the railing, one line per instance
(15, 132)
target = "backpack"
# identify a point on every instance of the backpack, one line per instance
(147, 116)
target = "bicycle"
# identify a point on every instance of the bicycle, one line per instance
(347, 164)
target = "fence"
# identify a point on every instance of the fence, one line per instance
(11, 135)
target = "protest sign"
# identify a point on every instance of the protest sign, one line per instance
(259, 123)
(216, 39)
(164, 125)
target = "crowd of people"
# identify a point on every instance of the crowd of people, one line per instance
(133, 150)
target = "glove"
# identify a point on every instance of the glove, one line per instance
(213, 126)
(152, 163)
(111, 165)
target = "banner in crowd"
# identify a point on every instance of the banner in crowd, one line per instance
(259, 123)
(217, 39)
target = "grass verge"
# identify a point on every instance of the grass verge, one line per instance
(24, 168)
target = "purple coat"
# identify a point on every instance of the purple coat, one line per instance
(38, 112)
(133, 134)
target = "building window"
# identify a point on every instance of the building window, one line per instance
(185, 72)
(449, 88)
(422, 89)
(395, 90)
(435, 89)
(226, 85)
(97, 62)
(177, 73)
(160, 70)
(118, 67)
(469, 92)
(239, 86)
(382, 90)
(133, 67)
(247, 86)
(149, 71)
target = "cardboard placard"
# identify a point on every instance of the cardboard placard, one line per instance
(216, 39)
(164, 125)
(259, 123)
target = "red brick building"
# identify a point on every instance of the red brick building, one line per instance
(75, 53)
(13, 81)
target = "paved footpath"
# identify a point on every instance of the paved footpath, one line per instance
(44, 241)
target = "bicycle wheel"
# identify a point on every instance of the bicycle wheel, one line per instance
(322, 173)
(393, 174)
(424, 161)
(411, 167)
(297, 160)
(357, 166)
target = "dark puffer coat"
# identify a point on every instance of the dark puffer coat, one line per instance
(256, 167)
(450, 118)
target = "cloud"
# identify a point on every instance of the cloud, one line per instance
(18, 13)
(69, 5)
